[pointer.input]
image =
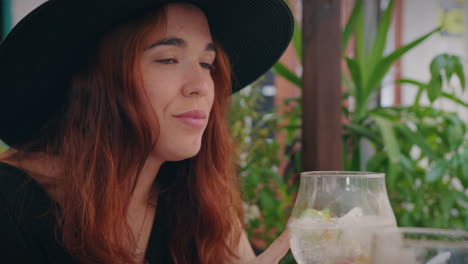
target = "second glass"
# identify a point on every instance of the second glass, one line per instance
(416, 245)
(335, 215)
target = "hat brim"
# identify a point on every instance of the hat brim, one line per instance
(39, 55)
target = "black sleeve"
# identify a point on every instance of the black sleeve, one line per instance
(15, 245)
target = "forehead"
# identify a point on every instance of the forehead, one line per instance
(183, 18)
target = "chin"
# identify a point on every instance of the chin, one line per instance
(182, 154)
(175, 149)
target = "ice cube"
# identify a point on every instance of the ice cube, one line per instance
(353, 217)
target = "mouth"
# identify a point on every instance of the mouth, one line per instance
(194, 118)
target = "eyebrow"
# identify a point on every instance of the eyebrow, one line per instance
(178, 42)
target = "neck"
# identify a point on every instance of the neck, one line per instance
(144, 187)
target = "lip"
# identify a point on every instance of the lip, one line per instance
(193, 118)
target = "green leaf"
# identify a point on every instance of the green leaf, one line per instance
(383, 66)
(437, 171)
(287, 74)
(360, 43)
(412, 82)
(464, 166)
(356, 77)
(418, 139)
(377, 162)
(356, 159)
(447, 203)
(389, 138)
(253, 178)
(385, 112)
(434, 88)
(405, 220)
(441, 62)
(455, 131)
(288, 259)
(255, 223)
(351, 25)
(297, 41)
(364, 132)
(381, 36)
(297, 35)
(408, 165)
(345, 95)
(267, 200)
(421, 87)
(348, 84)
(458, 69)
(448, 65)
(345, 111)
(273, 175)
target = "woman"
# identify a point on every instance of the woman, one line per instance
(120, 151)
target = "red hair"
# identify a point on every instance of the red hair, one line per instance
(103, 141)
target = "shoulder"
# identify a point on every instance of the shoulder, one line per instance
(14, 242)
(20, 197)
(16, 189)
(11, 178)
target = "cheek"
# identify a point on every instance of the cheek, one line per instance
(212, 96)
(159, 93)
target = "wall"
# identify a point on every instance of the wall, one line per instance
(420, 17)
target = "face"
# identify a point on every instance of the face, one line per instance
(176, 70)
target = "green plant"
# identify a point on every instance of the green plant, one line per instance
(428, 162)
(268, 197)
(422, 150)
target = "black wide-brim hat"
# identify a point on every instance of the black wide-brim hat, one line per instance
(39, 55)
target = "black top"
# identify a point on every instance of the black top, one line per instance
(27, 224)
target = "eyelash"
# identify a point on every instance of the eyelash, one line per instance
(207, 66)
(167, 61)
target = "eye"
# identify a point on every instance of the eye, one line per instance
(167, 61)
(208, 66)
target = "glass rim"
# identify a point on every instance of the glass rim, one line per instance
(360, 174)
(428, 231)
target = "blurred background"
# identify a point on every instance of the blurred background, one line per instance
(373, 85)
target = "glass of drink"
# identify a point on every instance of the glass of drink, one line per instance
(412, 245)
(335, 216)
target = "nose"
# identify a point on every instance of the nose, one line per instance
(198, 82)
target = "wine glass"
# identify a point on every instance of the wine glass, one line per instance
(416, 245)
(335, 215)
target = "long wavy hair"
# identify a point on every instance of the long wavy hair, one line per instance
(103, 141)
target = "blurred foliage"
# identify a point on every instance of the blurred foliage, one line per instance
(423, 150)
(268, 195)
(3, 146)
